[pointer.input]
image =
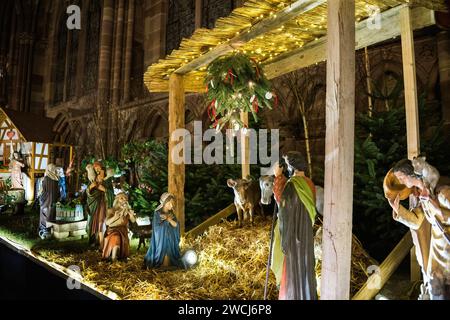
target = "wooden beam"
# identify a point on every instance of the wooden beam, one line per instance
(379, 278)
(410, 83)
(215, 219)
(176, 172)
(290, 12)
(315, 52)
(411, 104)
(339, 151)
(245, 147)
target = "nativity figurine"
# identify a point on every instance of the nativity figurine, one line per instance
(164, 250)
(116, 243)
(429, 221)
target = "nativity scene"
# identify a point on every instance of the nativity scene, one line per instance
(225, 150)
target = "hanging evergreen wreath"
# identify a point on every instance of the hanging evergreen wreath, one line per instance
(236, 83)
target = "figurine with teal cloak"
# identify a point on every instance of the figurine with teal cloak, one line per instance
(164, 250)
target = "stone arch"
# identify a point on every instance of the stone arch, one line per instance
(155, 125)
(386, 76)
(132, 126)
(195, 106)
(63, 128)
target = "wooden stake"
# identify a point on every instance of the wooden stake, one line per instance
(411, 104)
(176, 172)
(339, 151)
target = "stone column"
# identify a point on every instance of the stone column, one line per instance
(25, 41)
(5, 35)
(155, 30)
(118, 45)
(443, 43)
(128, 51)
(104, 74)
(117, 68)
(30, 41)
(82, 45)
(49, 81)
(18, 80)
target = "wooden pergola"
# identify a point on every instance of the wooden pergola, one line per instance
(285, 36)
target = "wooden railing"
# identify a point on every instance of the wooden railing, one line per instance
(215, 219)
(378, 279)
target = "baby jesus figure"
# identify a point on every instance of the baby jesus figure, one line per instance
(116, 243)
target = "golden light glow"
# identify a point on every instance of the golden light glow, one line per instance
(301, 30)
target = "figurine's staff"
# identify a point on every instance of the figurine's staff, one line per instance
(270, 249)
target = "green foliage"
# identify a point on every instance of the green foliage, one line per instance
(147, 161)
(7, 199)
(112, 163)
(236, 83)
(90, 159)
(206, 190)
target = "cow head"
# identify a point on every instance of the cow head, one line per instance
(239, 187)
(266, 185)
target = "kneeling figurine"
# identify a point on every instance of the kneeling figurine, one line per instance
(116, 243)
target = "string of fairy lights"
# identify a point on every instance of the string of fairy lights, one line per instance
(294, 34)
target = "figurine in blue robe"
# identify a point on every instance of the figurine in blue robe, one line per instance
(62, 183)
(164, 250)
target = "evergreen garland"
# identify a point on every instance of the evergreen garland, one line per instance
(236, 83)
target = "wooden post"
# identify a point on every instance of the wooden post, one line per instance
(409, 77)
(339, 151)
(176, 172)
(245, 147)
(411, 104)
